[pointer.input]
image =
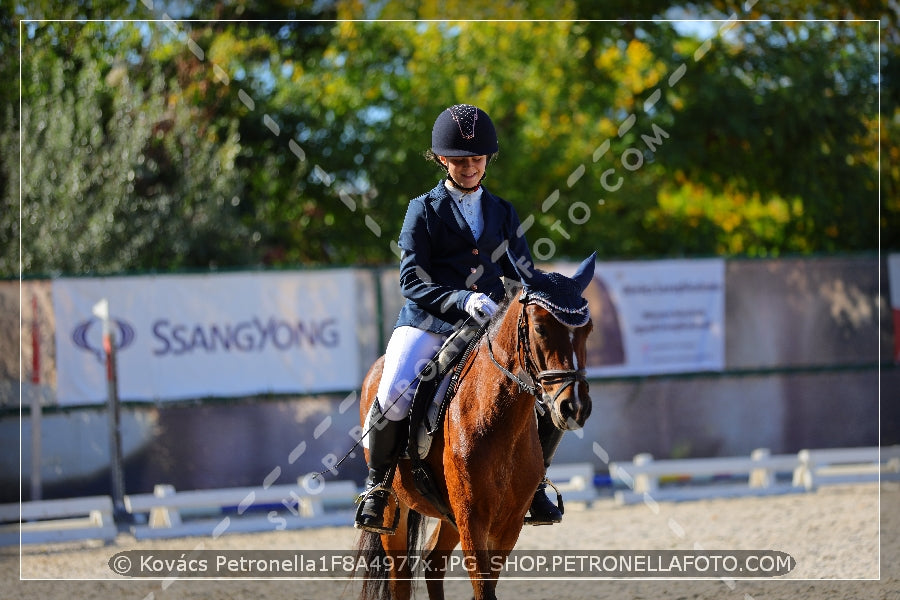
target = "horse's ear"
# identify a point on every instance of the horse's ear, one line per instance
(585, 272)
(524, 269)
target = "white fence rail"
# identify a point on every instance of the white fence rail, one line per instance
(63, 520)
(845, 465)
(644, 477)
(273, 508)
(575, 481)
(168, 513)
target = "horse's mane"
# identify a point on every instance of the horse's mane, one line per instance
(502, 307)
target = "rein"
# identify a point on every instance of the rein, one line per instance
(568, 377)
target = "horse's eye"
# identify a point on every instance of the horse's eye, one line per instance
(540, 330)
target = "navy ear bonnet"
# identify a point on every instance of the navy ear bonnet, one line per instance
(561, 296)
(558, 294)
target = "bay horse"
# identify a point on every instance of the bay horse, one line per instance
(488, 462)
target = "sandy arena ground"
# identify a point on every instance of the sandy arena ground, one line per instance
(833, 534)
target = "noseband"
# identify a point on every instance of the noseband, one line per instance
(566, 377)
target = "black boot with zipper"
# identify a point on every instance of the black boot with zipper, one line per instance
(386, 440)
(543, 511)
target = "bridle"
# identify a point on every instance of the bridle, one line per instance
(566, 377)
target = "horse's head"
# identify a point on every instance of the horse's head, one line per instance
(553, 331)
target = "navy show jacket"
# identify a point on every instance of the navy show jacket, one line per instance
(442, 263)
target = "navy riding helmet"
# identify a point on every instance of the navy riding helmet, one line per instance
(463, 130)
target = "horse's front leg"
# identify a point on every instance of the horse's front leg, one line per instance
(481, 574)
(436, 557)
(478, 558)
(487, 540)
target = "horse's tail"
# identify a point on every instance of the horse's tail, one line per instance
(370, 552)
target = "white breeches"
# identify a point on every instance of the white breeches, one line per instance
(408, 351)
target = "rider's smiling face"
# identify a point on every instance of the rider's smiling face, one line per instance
(466, 171)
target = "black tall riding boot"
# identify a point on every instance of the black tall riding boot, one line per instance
(543, 511)
(386, 439)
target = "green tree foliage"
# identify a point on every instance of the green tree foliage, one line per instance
(9, 142)
(117, 166)
(787, 114)
(277, 138)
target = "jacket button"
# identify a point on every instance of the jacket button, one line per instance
(473, 270)
(474, 287)
(474, 250)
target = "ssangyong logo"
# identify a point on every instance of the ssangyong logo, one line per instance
(88, 335)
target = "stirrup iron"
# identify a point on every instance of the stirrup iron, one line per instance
(559, 503)
(361, 500)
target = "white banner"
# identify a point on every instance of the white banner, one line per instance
(656, 317)
(191, 336)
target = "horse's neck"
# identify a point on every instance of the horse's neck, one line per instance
(504, 338)
(501, 391)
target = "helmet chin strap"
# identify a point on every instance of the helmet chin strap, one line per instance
(467, 190)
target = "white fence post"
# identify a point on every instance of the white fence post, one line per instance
(164, 516)
(644, 483)
(761, 477)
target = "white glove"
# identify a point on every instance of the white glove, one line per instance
(480, 306)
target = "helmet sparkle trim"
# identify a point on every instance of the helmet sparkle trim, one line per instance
(465, 116)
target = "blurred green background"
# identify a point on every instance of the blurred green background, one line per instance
(162, 136)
